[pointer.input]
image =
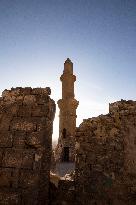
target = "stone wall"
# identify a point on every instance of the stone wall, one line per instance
(26, 120)
(106, 157)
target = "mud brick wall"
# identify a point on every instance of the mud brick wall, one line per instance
(106, 157)
(26, 121)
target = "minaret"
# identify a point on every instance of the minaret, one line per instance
(67, 105)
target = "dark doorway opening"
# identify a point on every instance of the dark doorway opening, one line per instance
(64, 132)
(66, 154)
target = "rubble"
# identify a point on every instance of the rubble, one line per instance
(62, 190)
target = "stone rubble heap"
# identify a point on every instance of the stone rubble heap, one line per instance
(26, 121)
(106, 157)
(62, 190)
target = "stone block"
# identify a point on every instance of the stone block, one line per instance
(12, 158)
(5, 122)
(45, 125)
(41, 91)
(5, 177)
(28, 179)
(27, 91)
(19, 139)
(24, 111)
(37, 111)
(30, 197)
(13, 110)
(6, 139)
(36, 139)
(1, 156)
(27, 158)
(38, 160)
(9, 198)
(23, 125)
(29, 99)
(42, 100)
(15, 177)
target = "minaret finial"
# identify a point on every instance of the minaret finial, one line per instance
(68, 60)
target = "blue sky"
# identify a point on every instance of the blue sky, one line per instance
(99, 36)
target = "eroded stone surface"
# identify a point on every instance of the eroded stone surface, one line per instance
(26, 118)
(106, 157)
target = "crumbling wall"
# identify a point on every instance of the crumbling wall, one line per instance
(106, 157)
(26, 120)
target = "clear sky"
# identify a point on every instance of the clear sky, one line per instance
(99, 36)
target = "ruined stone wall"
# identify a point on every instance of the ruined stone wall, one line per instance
(26, 119)
(106, 157)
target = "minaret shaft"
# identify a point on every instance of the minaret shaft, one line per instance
(65, 151)
(68, 104)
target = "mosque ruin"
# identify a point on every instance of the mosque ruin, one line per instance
(103, 148)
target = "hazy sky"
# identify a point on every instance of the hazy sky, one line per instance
(99, 36)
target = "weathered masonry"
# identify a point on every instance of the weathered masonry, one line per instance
(67, 117)
(26, 120)
(106, 157)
